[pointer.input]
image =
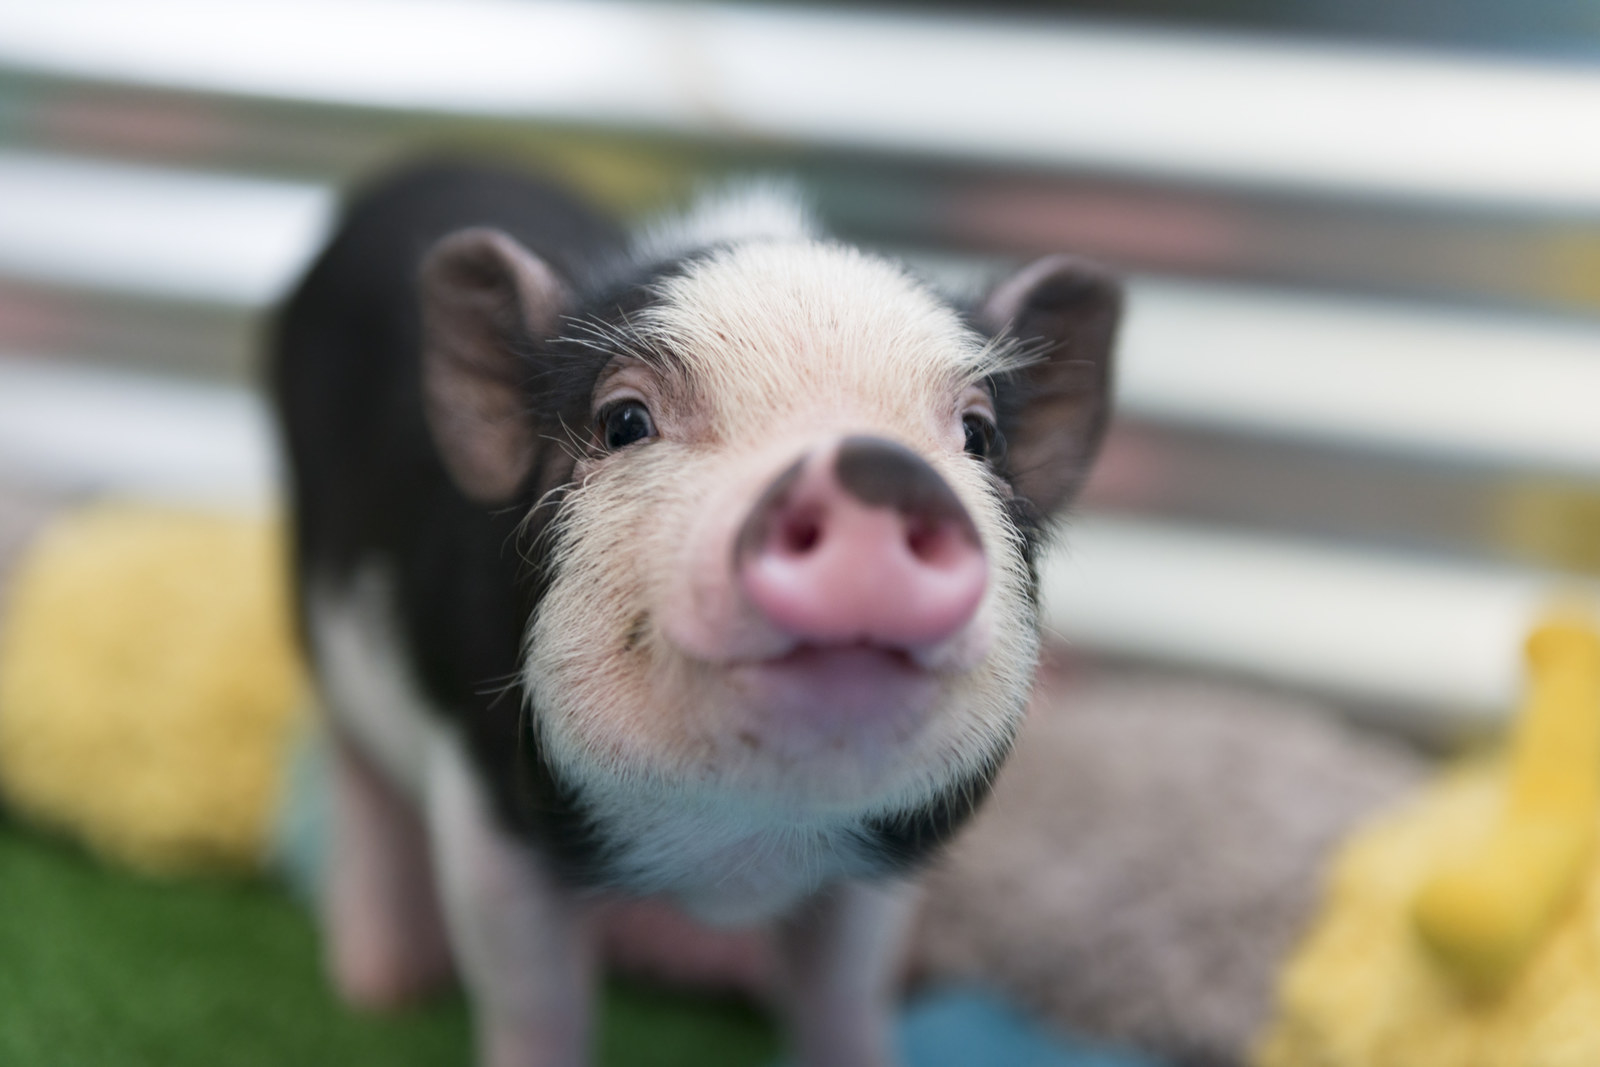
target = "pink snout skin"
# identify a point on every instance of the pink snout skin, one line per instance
(832, 570)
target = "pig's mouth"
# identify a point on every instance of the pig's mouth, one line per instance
(833, 687)
(855, 655)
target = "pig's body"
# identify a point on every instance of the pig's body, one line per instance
(678, 568)
(413, 599)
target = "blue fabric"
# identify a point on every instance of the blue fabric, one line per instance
(967, 1028)
(963, 1028)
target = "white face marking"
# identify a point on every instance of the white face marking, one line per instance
(775, 334)
(775, 348)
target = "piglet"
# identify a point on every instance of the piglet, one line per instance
(693, 566)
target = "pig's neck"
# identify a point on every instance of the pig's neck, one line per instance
(725, 863)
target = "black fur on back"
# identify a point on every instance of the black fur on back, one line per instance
(367, 482)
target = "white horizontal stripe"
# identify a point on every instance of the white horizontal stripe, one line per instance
(89, 430)
(1443, 640)
(1189, 105)
(1465, 386)
(1480, 387)
(156, 231)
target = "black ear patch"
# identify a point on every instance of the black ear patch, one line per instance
(1068, 310)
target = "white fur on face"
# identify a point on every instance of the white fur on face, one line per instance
(774, 349)
(775, 331)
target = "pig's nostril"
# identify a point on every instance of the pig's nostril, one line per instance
(939, 544)
(801, 534)
(922, 538)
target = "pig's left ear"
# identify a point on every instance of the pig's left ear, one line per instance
(1053, 412)
(484, 299)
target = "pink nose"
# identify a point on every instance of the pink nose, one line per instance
(863, 544)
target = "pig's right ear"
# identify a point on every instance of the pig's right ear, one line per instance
(484, 298)
(1054, 414)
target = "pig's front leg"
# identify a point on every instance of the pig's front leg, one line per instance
(522, 941)
(385, 937)
(843, 956)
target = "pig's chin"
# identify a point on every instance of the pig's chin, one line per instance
(829, 725)
(821, 724)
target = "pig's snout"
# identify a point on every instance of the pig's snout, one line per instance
(863, 543)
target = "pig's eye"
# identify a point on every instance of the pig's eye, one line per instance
(981, 435)
(625, 422)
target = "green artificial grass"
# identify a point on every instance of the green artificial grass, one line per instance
(98, 967)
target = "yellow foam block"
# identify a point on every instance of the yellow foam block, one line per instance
(1482, 912)
(1464, 930)
(1364, 991)
(149, 685)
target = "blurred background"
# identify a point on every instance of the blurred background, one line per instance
(1358, 443)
